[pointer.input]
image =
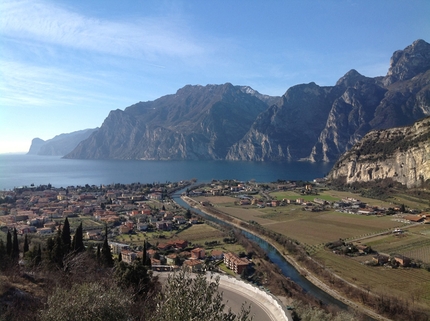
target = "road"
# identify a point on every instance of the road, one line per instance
(234, 296)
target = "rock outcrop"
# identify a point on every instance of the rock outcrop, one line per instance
(320, 123)
(198, 122)
(401, 154)
(60, 145)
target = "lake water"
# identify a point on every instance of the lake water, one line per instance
(20, 170)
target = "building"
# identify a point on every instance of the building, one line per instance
(235, 263)
(192, 265)
(198, 253)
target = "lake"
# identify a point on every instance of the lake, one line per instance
(19, 170)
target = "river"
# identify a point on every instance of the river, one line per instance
(287, 269)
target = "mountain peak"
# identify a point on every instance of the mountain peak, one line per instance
(407, 63)
(350, 78)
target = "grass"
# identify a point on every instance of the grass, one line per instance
(294, 195)
(311, 228)
(414, 243)
(404, 283)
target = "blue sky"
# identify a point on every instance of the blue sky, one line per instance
(65, 64)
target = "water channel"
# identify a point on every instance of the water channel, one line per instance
(287, 269)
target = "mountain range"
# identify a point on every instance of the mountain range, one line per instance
(309, 122)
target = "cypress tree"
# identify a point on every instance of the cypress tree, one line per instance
(106, 257)
(65, 236)
(98, 255)
(9, 243)
(58, 250)
(78, 242)
(3, 254)
(15, 245)
(50, 248)
(119, 257)
(144, 253)
(25, 244)
(38, 256)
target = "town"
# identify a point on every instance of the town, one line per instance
(136, 213)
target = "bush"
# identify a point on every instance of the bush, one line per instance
(88, 302)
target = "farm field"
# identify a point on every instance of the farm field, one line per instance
(196, 234)
(330, 196)
(87, 222)
(406, 283)
(201, 233)
(413, 243)
(310, 228)
(410, 201)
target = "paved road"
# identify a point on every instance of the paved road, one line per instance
(234, 296)
(234, 300)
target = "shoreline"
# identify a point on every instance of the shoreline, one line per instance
(311, 277)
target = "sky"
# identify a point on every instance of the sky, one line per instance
(64, 65)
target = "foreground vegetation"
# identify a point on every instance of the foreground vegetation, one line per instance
(65, 281)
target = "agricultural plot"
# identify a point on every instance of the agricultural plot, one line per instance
(408, 284)
(217, 199)
(414, 243)
(311, 228)
(295, 195)
(201, 233)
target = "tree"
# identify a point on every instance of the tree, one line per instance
(65, 236)
(25, 250)
(15, 245)
(133, 275)
(119, 257)
(57, 254)
(188, 214)
(402, 208)
(88, 302)
(106, 255)
(186, 298)
(78, 240)
(3, 255)
(9, 243)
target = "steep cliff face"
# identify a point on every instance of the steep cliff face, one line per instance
(288, 130)
(60, 145)
(402, 154)
(198, 122)
(308, 122)
(320, 123)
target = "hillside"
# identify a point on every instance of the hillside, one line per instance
(402, 154)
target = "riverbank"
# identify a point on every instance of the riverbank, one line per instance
(309, 275)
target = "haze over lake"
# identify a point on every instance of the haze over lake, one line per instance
(19, 170)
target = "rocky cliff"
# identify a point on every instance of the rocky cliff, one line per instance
(198, 122)
(402, 154)
(61, 144)
(308, 122)
(320, 123)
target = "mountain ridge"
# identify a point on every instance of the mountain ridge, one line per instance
(309, 122)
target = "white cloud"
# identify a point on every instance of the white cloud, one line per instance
(50, 24)
(26, 85)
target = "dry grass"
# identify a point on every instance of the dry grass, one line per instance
(311, 228)
(408, 284)
(201, 233)
(414, 243)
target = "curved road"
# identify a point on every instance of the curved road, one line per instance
(234, 296)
